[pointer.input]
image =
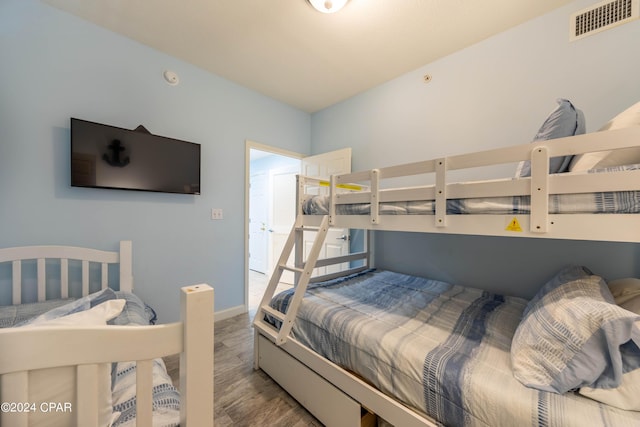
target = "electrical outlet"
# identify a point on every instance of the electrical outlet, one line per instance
(216, 213)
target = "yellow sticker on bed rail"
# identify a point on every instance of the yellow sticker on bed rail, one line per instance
(514, 225)
(354, 187)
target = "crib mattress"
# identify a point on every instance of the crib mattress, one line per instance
(439, 348)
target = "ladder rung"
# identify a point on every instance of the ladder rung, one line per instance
(266, 328)
(308, 228)
(273, 312)
(290, 268)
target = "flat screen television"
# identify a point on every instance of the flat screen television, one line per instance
(104, 156)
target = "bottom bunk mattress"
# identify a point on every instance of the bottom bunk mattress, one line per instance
(441, 349)
(165, 399)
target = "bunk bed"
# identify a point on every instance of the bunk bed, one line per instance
(420, 352)
(78, 347)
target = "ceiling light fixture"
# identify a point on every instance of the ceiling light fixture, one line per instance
(327, 6)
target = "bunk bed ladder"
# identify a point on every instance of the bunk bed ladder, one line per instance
(302, 275)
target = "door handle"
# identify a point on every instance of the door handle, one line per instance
(343, 237)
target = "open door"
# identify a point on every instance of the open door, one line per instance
(337, 241)
(282, 215)
(270, 202)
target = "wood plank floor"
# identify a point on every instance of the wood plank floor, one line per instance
(244, 396)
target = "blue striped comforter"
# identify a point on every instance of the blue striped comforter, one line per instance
(439, 348)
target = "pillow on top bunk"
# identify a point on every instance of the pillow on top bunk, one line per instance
(626, 293)
(59, 384)
(565, 120)
(602, 159)
(573, 335)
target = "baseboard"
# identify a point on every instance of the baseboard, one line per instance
(229, 312)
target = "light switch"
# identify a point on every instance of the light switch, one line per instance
(216, 213)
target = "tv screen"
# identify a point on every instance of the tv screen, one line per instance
(104, 156)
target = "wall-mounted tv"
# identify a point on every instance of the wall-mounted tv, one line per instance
(104, 156)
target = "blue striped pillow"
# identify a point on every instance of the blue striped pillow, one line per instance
(565, 120)
(572, 334)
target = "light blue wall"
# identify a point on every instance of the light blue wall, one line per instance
(55, 66)
(493, 94)
(496, 93)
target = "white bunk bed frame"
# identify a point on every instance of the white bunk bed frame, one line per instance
(337, 397)
(87, 347)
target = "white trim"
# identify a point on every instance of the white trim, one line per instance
(230, 312)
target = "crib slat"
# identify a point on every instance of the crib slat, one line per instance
(64, 278)
(143, 392)
(126, 267)
(85, 278)
(86, 406)
(17, 282)
(105, 275)
(42, 275)
(14, 387)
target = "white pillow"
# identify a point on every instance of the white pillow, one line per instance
(59, 384)
(602, 159)
(626, 292)
(624, 289)
(632, 304)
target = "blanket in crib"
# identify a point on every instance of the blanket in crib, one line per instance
(166, 398)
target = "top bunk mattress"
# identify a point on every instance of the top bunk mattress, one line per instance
(439, 348)
(621, 202)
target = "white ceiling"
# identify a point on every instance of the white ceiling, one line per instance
(288, 51)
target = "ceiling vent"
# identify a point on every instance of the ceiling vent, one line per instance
(602, 16)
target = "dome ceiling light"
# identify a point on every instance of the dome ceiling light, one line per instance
(327, 6)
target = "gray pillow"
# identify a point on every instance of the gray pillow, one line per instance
(565, 120)
(573, 334)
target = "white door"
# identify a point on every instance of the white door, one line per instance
(283, 215)
(326, 164)
(337, 241)
(258, 237)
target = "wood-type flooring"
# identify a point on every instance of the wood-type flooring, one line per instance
(244, 396)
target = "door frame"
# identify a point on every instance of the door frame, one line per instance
(252, 145)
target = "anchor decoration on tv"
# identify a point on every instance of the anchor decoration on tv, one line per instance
(105, 156)
(114, 159)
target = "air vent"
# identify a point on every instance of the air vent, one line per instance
(602, 16)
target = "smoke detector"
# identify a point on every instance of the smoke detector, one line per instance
(171, 77)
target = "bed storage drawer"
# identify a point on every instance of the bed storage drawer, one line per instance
(326, 402)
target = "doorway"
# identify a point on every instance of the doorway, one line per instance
(270, 213)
